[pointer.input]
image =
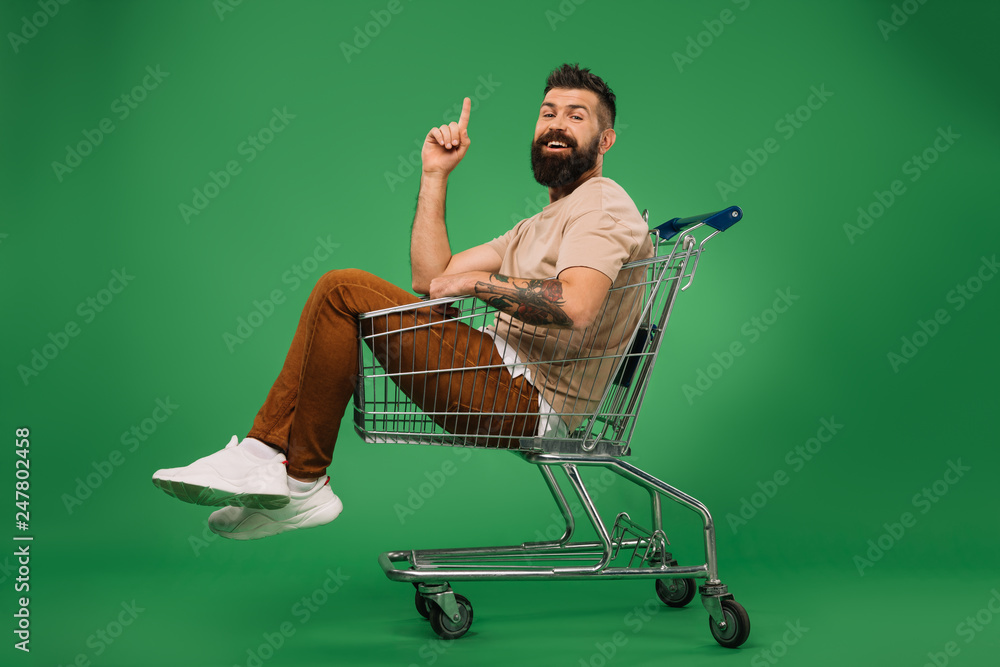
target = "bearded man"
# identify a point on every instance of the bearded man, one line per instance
(552, 272)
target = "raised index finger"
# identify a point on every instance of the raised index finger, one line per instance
(463, 120)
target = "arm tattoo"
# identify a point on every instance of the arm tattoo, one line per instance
(536, 302)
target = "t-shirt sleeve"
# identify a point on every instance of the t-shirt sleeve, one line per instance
(501, 243)
(598, 241)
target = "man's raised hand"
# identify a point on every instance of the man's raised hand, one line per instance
(445, 146)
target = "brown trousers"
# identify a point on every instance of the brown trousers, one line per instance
(304, 407)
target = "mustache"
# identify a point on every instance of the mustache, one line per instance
(556, 136)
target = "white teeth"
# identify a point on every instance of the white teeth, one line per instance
(556, 144)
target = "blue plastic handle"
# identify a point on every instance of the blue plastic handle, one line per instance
(720, 220)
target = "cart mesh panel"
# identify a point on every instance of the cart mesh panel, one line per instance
(592, 380)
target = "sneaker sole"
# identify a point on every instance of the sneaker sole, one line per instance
(276, 527)
(209, 497)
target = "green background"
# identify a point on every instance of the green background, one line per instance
(683, 126)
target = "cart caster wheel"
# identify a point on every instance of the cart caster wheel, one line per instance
(421, 604)
(675, 592)
(737, 625)
(447, 628)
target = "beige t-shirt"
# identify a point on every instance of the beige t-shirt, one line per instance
(596, 226)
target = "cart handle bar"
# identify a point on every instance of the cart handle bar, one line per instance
(719, 220)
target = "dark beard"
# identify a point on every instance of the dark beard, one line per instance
(555, 171)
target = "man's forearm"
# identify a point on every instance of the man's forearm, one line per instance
(537, 302)
(430, 251)
(571, 301)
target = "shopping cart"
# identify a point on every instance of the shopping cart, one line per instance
(570, 433)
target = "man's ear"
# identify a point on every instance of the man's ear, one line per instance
(608, 137)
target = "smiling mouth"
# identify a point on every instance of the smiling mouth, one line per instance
(556, 146)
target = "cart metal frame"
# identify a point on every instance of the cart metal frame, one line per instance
(627, 548)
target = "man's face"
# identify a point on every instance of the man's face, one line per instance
(569, 117)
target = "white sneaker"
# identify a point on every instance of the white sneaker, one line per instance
(315, 507)
(230, 476)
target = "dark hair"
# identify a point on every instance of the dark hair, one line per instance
(572, 76)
